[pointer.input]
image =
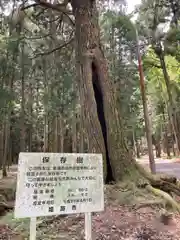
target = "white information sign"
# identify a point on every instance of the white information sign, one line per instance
(55, 184)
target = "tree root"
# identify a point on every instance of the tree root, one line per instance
(163, 182)
(152, 203)
(161, 185)
(169, 200)
(165, 186)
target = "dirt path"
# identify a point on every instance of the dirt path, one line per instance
(167, 166)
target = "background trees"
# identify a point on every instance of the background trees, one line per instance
(40, 104)
(163, 21)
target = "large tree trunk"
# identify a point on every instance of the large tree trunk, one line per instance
(102, 119)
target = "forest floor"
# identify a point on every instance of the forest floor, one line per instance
(128, 215)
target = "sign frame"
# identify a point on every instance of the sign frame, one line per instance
(90, 166)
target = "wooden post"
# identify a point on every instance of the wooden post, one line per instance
(88, 226)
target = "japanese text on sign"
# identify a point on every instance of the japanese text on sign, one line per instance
(54, 183)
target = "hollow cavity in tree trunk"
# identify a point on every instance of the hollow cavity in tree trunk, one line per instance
(100, 110)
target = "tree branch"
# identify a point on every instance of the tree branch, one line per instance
(43, 3)
(55, 49)
(29, 6)
(57, 7)
(37, 37)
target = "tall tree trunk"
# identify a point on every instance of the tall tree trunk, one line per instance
(137, 149)
(1, 143)
(53, 44)
(49, 132)
(22, 121)
(46, 122)
(61, 134)
(10, 153)
(158, 150)
(74, 119)
(81, 132)
(6, 146)
(7, 123)
(30, 110)
(36, 134)
(55, 129)
(74, 132)
(103, 123)
(136, 144)
(145, 109)
(7, 126)
(46, 135)
(166, 145)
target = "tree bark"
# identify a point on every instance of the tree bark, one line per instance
(74, 122)
(1, 143)
(55, 140)
(45, 103)
(158, 150)
(46, 137)
(22, 121)
(102, 119)
(137, 145)
(6, 145)
(30, 110)
(61, 134)
(166, 145)
(7, 122)
(145, 109)
(81, 132)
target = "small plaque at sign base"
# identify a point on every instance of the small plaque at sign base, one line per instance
(59, 183)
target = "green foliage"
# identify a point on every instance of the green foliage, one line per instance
(159, 32)
(126, 28)
(47, 89)
(157, 88)
(50, 78)
(119, 32)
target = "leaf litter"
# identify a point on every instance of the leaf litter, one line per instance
(116, 222)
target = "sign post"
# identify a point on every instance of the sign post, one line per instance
(33, 228)
(57, 184)
(88, 226)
